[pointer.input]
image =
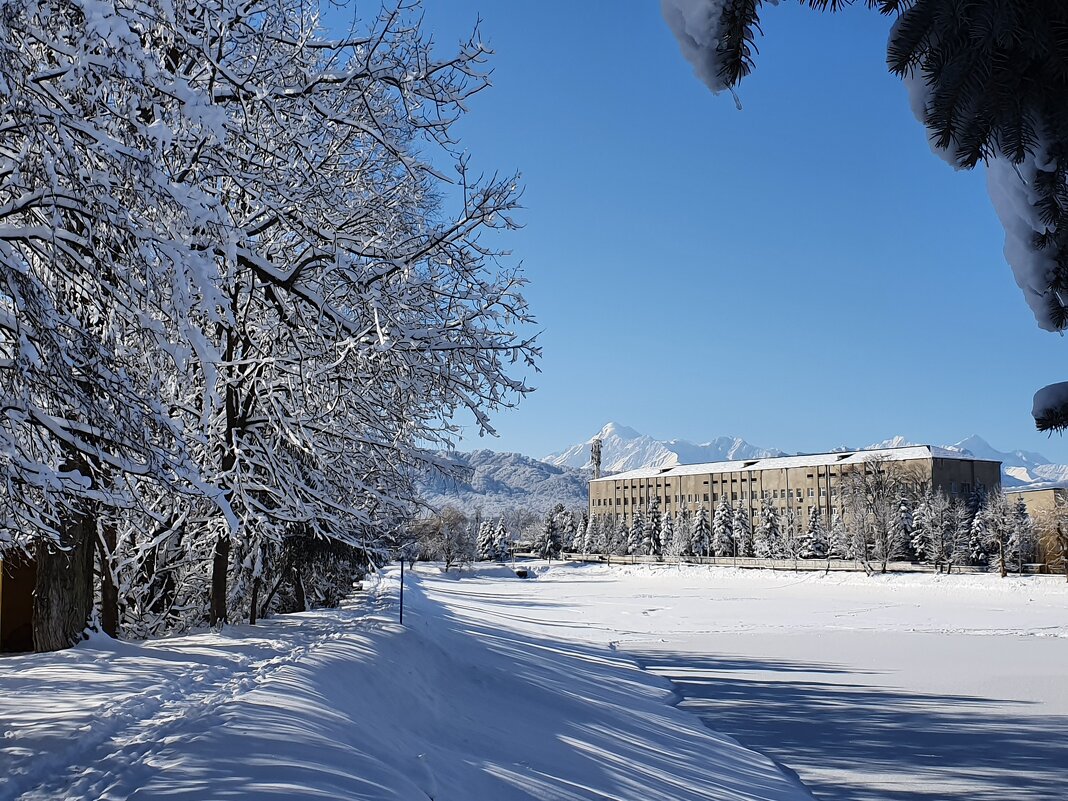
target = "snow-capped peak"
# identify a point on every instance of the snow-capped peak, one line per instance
(623, 448)
(614, 430)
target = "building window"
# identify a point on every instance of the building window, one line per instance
(734, 496)
(706, 497)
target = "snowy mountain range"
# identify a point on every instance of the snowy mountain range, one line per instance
(496, 482)
(624, 448)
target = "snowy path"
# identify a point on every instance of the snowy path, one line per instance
(348, 705)
(909, 688)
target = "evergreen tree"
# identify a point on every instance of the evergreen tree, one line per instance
(636, 535)
(552, 533)
(922, 533)
(815, 544)
(839, 542)
(582, 534)
(672, 545)
(501, 542)
(723, 529)
(622, 538)
(485, 545)
(1022, 538)
(978, 534)
(700, 533)
(652, 544)
(767, 542)
(742, 529)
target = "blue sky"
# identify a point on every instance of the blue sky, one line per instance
(803, 273)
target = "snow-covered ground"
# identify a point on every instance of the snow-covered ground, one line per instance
(898, 687)
(459, 704)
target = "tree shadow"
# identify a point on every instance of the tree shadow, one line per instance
(858, 742)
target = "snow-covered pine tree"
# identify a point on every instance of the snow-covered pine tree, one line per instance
(815, 545)
(1022, 538)
(486, 549)
(502, 544)
(700, 533)
(979, 533)
(622, 537)
(552, 533)
(922, 529)
(723, 529)
(652, 543)
(768, 535)
(742, 529)
(636, 535)
(839, 541)
(668, 536)
(582, 533)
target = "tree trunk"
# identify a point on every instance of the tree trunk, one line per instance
(299, 597)
(254, 601)
(109, 592)
(63, 595)
(219, 565)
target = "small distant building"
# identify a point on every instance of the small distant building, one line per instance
(790, 483)
(18, 575)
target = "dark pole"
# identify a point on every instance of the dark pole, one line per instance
(402, 591)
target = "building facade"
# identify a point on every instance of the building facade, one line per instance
(793, 484)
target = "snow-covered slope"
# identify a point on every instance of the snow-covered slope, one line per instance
(624, 448)
(498, 482)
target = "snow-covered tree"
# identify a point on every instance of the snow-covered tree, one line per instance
(815, 544)
(742, 529)
(979, 534)
(700, 533)
(1022, 538)
(621, 542)
(839, 540)
(636, 535)
(485, 543)
(672, 544)
(922, 528)
(723, 529)
(502, 543)
(652, 542)
(553, 531)
(767, 539)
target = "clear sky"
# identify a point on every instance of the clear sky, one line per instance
(803, 273)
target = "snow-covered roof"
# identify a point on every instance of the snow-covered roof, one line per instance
(805, 460)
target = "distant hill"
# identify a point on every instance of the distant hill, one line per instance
(500, 482)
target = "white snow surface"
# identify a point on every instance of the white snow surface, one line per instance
(886, 688)
(476, 697)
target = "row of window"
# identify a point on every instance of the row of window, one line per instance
(697, 498)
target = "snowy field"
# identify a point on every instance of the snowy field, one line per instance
(348, 705)
(901, 687)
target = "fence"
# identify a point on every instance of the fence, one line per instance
(824, 565)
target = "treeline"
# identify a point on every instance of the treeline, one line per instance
(243, 291)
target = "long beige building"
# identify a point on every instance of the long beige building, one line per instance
(794, 483)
